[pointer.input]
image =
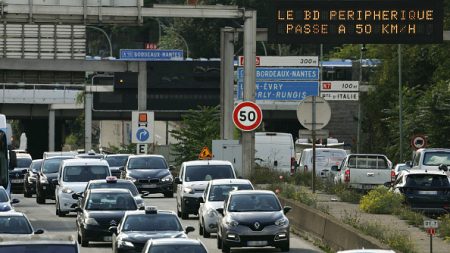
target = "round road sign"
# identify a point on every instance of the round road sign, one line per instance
(247, 116)
(418, 141)
(323, 112)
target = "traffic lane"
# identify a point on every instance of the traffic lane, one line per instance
(298, 245)
(43, 216)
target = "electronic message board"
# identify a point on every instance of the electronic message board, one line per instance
(356, 21)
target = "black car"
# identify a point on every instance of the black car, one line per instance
(29, 181)
(99, 210)
(137, 227)
(45, 187)
(174, 246)
(150, 173)
(16, 175)
(116, 161)
(253, 219)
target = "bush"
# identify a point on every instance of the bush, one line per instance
(444, 227)
(413, 218)
(305, 197)
(264, 175)
(347, 195)
(381, 201)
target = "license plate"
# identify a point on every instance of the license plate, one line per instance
(368, 186)
(44, 187)
(428, 192)
(256, 243)
(15, 181)
(149, 185)
(107, 238)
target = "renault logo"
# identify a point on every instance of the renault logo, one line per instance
(113, 223)
(257, 225)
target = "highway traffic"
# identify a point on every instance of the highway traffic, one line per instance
(43, 216)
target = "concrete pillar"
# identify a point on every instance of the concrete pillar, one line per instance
(51, 130)
(226, 83)
(88, 101)
(142, 86)
(248, 138)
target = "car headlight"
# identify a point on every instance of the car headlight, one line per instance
(281, 222)
(132, 179)
(232, 223)
(188, 190)
(125, 244)
(43, 180)
(167, 179)
(90, 221)
(212, 213)
(67, 190)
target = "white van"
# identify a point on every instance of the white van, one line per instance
(325, 158)
(275, 151)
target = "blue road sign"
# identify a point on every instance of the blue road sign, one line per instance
(286, 74)
(142, 134)
(282, 90)
(151, 54)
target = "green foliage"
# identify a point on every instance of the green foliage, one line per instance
(444, 227)
(413, 218)
(345, 194)
(263, 175)
(76, 137)
(294, 192)
(123, 149)
(197, 130)
(381, 201)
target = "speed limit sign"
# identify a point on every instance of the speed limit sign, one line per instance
(247, 116)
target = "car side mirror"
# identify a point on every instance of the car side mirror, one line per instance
(113, 229)
(334, 168)
(286, 209)
(38, 231)
(55, 181)
(77, 195)
(14, 201)
(171, 167)
(220, 210)
(144, 194)
(24, 171)
(189, 229)
(443, 167)
(122, 168)
(409, 164)
(177, 180)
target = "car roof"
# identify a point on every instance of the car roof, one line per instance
(326, 149)
(367, 251)
(12, 239)
(112, 155)
(176, 241)
(12, 213)
(152, 155)
(433, 149)
(59, 157)
(143, 212)
(109, 190)
(229, 181)
(253, 192)
(23, 155)
(81, 161)
(103, 181)
(207, 162)
(37, 160)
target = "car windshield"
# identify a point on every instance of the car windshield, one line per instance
(157, 163)
(254, 203)
(110, 201)
(208, 172)
(118, 185)
(174, 248)
(427, 180)
(152, 222)
(3, 196)
(116, 161)
(85, 173)
(23, 162)
(436, 158)
(36, 165)
(52, 165)
(220, 192)
(38, 248)
(14, 225)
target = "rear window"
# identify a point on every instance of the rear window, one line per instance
(220, 192)
(23, 162)
(52, 165)
(38, 248)
(208, 172)
(84, 173)
(436, 158)
(367, 162)
(157, 163)
(427, 181)
(116, 161)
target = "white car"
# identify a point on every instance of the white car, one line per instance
(213, 197)
(74, 174)
(367, 251)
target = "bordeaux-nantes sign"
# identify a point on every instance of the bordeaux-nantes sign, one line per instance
(356, 21)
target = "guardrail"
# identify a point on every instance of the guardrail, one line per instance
(39, 93)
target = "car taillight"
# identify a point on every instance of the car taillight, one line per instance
(293, 163)
(305, 168)
(392, 175)
(347, 176)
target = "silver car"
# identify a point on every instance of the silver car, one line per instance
(253, 219)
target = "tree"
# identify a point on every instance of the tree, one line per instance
(198, 129)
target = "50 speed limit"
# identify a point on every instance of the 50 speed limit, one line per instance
(247, 116)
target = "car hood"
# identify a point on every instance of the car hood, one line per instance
(148, 173)
(75, 186)
(213, 205)
(196, 185)
(251, 217)
(144, 236)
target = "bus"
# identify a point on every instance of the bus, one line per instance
(4, 171)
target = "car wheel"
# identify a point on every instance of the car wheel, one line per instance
(219, 242)
(168, 195)
(205, 233)
(39, 198)
(59, 212)
(285, 247)
(200, 228)
(84, 242)
(225, 247)
(184, 215)
(26, 191)
(178, 212)
(78, 238)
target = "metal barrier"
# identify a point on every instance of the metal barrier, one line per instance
(39, 93)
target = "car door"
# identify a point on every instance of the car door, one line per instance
(180, 186)
(201, 209)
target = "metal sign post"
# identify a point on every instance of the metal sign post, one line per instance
(431, 226)
(313, 180)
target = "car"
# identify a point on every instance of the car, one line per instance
(90, 155)
(5, 202)
(48, 154)
(194, 176)
(174, 245)
(366, 251)
(29, 181)
(215, 193)
(12, 244)
(150, 173)
(275, 151)
(137, 227)
(325, 159)
(110, 183)
(116, 161)
(253, 218)
(16, 223)
(45, 187)
(424, 191)
(16, 176)
(73, 176)
(430, 159)
(99, 210)
(399, 167)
